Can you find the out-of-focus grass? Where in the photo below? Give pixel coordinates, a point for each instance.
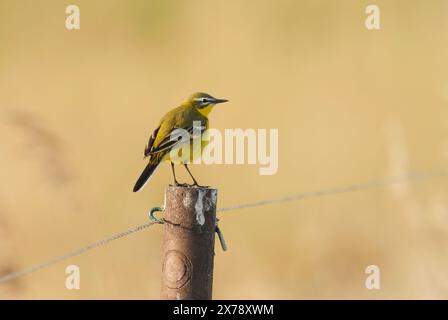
(350, 105)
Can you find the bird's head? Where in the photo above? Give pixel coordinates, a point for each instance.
(203, 102)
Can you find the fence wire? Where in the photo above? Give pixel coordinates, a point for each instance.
(414, 177)
(74, 253)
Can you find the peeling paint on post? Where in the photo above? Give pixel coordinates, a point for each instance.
(199, 207)
(188, 243)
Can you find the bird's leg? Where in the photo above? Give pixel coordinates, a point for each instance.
(174, 175)
(195, 183)
(175, 180)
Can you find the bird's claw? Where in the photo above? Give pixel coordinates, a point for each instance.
(197, 185)
(177, 184)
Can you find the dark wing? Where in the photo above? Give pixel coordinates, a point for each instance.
(176, 137)
(151, 142)
(171, 140)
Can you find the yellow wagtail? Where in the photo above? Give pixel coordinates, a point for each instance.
(161, 144)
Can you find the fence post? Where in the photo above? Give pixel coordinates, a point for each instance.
(188, 243)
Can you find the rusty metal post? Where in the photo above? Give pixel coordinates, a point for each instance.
(188, 243)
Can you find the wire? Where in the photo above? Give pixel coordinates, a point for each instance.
(71, 254)
(415, 177)
(331, 191)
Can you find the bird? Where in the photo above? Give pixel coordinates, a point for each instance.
(196, 107)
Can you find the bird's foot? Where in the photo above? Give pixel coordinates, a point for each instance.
(187, 185)
(177, 184)
(197, 185)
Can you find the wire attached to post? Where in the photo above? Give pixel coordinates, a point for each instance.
(153, 217)
(218, 231)
(408, 178)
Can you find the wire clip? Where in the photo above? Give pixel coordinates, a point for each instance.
(153, 217)
(220, 236)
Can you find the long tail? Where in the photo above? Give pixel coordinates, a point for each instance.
(146, 174)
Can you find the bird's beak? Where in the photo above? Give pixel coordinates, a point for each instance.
(216, 101)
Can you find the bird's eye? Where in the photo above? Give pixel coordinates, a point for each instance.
(204, 100)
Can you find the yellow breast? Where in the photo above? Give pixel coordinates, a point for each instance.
(206, 110)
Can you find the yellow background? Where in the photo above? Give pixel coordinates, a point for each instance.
(351, 105)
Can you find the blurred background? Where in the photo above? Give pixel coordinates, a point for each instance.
(351, 105)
